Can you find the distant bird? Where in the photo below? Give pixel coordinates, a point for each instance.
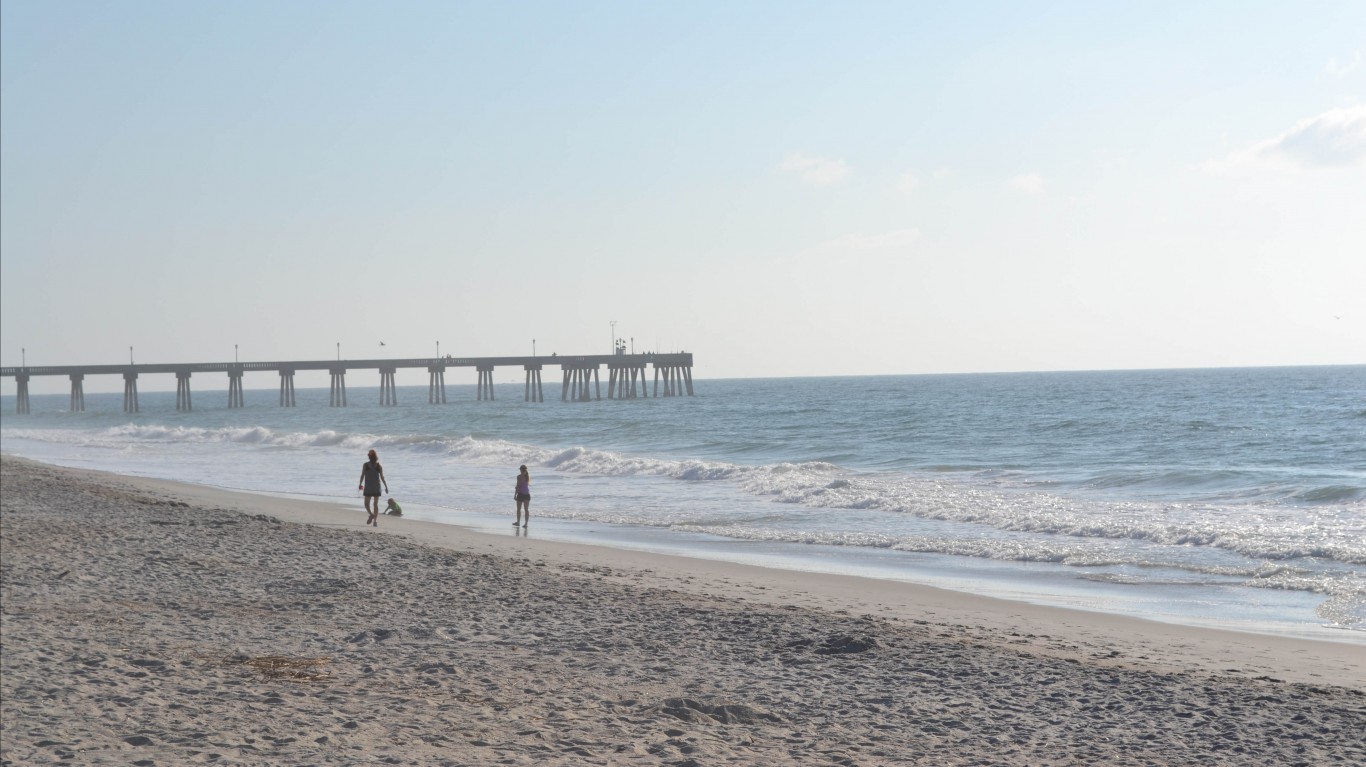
(381, 343)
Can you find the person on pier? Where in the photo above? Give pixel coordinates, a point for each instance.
(522, 494)
(371, 476)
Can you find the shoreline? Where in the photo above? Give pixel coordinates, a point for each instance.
(138, 614)
(1012, 582)
(1211, 647)
(1045, 589)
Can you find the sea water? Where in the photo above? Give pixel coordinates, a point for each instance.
(1228, 497)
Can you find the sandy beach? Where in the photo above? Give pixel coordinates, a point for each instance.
(156, 623)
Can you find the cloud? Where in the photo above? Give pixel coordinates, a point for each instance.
(907, 182)
(1029, 183)
(1334, 69)
(1334, 139)
(900, 238)
(817, 171)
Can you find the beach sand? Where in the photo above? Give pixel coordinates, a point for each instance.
(154, 623)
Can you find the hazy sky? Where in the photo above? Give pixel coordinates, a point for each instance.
(782, 188)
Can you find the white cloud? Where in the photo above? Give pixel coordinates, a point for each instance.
(1029, 183)
(1336, 138)
(817, 171)
(900, 238)
(907, 183)
(1334, 69)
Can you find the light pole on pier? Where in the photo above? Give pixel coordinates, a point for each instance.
(339, 351)
(130, 355)
(633, 344)
(533, 347)
(613, 348)
(23, 356)
(234, 353)
(438, 350)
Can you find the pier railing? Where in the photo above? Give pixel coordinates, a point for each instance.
(579, 373)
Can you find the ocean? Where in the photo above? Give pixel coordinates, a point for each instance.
(1233, 498)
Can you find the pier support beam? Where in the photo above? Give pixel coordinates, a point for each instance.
(286, 388)
(628, 381)
(534, 392)
(581, 382)
(485, 382)
(589, 383)
(338, 393)
(235, 398)
(624, 378)
(636, 372)
(182, 390)
(436, 385)
(78, 392)
(677, 379)
(21, 405)
(388, 392)
(130, 392)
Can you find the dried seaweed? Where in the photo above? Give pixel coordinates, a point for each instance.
(291, 669)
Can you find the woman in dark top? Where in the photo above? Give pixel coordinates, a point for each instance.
(371, 476)
(522, 494)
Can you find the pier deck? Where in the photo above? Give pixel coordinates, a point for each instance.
(579, 373)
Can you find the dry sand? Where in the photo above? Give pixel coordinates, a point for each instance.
(153, 623)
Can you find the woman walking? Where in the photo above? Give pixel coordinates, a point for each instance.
(523, 496)
(371, 476)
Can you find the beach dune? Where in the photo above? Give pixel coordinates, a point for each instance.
(154, 623)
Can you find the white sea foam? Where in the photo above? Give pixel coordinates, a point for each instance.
(1314, 533)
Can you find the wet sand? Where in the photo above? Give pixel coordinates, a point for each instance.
(153, 623)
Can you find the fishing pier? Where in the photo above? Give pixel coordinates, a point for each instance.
(626, 377)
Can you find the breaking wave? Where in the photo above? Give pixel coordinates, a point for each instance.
(1027, 525)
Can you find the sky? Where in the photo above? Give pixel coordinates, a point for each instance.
(781, 188)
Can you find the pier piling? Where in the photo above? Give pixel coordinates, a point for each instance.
(130, 392)
(286, 387)
(388, 392)
(581, 382)
(485, 382)
(534, 392)
(21, 405)
(77, 392)
(436, 385)
(338, 394)
(182, 390)
(235, 398)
